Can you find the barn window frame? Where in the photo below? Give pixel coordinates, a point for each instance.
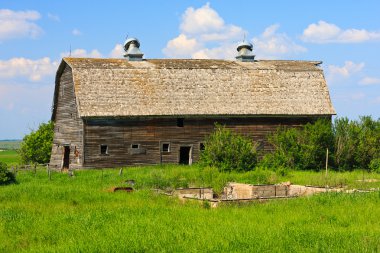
(103, 148)
(202, 146)
(165, 147)
(135, 146)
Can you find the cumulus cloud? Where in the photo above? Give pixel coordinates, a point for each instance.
(82, 53)
(203, 34)
(181, 47)
(324, 32)
(18, 24)
(117, 51)
(271, 44)
(369, 81)
(34, 70)
(202, 20)
(349, 68)
(76, 32)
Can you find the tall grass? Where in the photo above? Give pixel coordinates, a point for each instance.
(79, 214)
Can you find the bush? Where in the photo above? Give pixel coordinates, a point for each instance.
(229, 151)
(303, 148)
(357, 143)
(36, 146)
(6, 177)
(374, 165)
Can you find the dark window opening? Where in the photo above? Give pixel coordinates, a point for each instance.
(103, 149)
(201, 146)
(184, 155)
(165, 147)
(66, 157)
(180, 122)
(135, 146)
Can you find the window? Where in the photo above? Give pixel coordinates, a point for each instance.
(201, 146)
(103, 149)
(180, 122)
(165, 147)
(135, 146)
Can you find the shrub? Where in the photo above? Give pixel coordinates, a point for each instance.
(36, 146)
(229, 151)
(303, 148)
(357, 143)
(6, 177)
(374, 165)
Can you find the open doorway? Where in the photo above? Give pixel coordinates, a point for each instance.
(185, 155)
(66, 157)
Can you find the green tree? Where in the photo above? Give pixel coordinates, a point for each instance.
(227, 151)
(300, 148)
(36, 146)
(357, 143)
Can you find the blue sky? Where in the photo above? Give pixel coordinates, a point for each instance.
(35, 35)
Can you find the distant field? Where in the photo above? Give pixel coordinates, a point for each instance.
(80, 214)
(10, 144)
(10, 157)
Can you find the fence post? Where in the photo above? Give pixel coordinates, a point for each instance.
(121, 172)
(327, 160)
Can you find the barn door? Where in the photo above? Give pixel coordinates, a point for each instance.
(185, 155)
(66, 157)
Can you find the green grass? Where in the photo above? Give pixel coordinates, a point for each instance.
(10, 157)
(79, 214)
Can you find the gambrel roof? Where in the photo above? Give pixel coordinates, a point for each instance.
(189, 87)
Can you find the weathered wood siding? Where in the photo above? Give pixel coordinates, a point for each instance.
(68, 127)
(120, 134)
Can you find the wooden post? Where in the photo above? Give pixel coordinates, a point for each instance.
(121, 172)
(327, 160)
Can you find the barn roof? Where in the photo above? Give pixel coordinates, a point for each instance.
(171, 87)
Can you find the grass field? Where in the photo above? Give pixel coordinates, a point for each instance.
(79, 214)
(10, 144)
(10, 157)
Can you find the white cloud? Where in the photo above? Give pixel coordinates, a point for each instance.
(34, 70)
(53, 17)
(117, 51)
(18, 24)
(271, 44)
(324, 32)
(76, 32)
(369, 81)
(202, 20)
(181, 47)
(203, 34)
(82, 53)
(349, 68)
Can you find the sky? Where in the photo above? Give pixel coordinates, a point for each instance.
(35, 35)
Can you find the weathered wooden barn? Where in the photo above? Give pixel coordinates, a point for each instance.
(119, 112)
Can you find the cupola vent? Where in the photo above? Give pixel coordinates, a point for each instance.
(132, 50)
(245, 52)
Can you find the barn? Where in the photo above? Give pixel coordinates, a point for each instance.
(135, 111)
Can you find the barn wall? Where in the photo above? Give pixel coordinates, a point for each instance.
(119, 135)
(68, 127)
